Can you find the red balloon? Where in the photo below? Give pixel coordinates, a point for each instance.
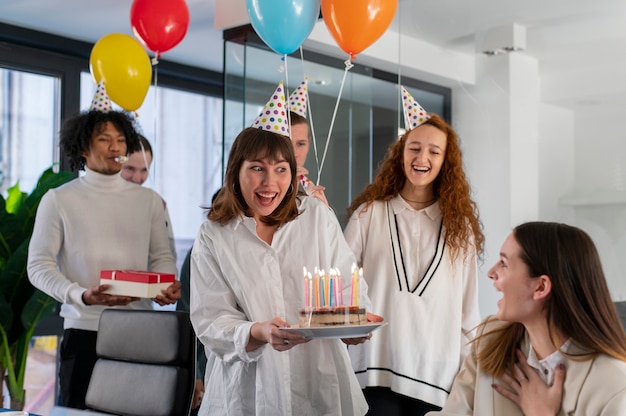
(159, 24)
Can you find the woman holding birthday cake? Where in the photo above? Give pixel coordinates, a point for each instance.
(415, 231)
(247, 286)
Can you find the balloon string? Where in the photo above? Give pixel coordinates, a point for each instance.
(310, 113)
(349, 66)
(286, 92)
(145, 159)
(313, 139)
(155, 61)
(399, 108)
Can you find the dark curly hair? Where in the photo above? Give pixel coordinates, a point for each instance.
(451, 189)
(76, 133)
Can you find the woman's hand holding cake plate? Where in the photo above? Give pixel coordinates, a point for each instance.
(271, 332)
(371, 317)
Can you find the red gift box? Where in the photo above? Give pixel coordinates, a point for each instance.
(136, 283)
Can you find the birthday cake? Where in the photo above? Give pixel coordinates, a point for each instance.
(337, 315)
(323, 300)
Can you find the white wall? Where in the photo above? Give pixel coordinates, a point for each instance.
(529, 160)
(497, 121)
(556, 155)
(598, 200)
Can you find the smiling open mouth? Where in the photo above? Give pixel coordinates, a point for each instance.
(266, 198)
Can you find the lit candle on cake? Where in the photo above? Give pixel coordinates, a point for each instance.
(306, 288)
(317, 288)
(310, 290)
(339, 288)
(334, 286)
(326, 288)
(331, 294)
(354, 294)
(323, 288)
(356, 287)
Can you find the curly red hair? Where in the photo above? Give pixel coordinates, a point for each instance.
(451, 188)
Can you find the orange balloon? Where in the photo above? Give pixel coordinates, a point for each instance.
(356, 24)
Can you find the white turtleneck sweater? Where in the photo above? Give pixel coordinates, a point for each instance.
(93, 223)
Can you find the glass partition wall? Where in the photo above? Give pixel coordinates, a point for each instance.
(367, 116)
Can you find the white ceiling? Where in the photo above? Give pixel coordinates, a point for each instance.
(580, 45)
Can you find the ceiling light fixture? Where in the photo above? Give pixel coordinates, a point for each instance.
(504, 39)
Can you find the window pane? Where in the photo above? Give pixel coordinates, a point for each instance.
(28, 126)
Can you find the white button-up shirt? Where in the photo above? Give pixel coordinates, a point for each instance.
(546, 366)
(238, 279)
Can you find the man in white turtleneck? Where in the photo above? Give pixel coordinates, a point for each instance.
(96, 222)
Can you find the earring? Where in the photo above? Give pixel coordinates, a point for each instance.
(290, 190)
(235, 189)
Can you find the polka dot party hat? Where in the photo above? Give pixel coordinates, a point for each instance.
(298, 98)
(101, 101)
(414, 114)
(273, 117)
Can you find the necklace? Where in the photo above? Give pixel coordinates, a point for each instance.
(417, 202)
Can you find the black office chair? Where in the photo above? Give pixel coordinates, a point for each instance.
(146, 363)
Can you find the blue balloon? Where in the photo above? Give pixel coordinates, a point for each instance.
(283, 24)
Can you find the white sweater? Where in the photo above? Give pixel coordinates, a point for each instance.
(96, 222)
(431, 309)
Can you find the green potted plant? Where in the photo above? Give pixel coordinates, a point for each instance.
(21, 305)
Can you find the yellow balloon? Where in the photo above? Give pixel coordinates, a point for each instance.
(124, 65)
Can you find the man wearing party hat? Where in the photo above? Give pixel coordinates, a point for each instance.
(301, 140)
(95, 222)
(415, 231)
(247, 285)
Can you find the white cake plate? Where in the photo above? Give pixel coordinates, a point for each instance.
(337, 331)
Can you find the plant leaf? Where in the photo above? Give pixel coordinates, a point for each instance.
(47, 181)
(15, 197)
(6, 313)
(38, 306)
(21, 305)
(6, 223)
(17, 223)
(16, 288)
